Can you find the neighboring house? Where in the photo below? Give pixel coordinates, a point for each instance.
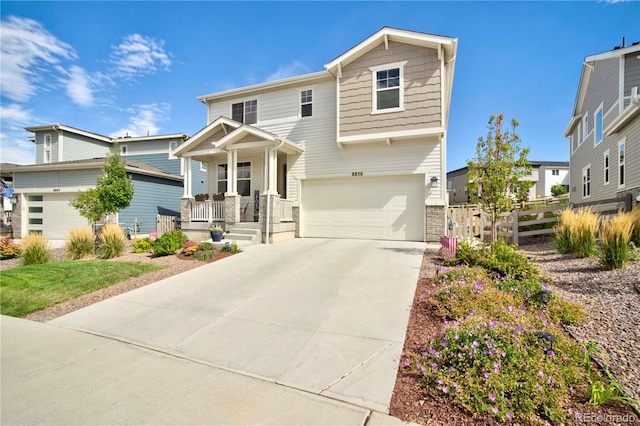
(69, 160)
(604, 130)
(355, 151)
(544, 174)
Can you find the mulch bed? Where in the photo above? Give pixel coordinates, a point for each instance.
(413, 402)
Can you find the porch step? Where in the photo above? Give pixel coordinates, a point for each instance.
(253, 236)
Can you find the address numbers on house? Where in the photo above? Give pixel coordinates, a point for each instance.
(357, 174)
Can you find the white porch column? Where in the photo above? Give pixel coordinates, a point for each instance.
(187, 177)
(273, 168)
(231, 174)
(234, 172)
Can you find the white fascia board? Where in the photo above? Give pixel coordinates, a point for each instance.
(393, 34)
(80, 132)
(151, 138)
(572, 123)
(629, 113)
(242, 132)
(204, 133)
(613, 53)
(585, 76)
(401, 134)
(170, 176)
(52, 166)
(203, 152)
(264, 86)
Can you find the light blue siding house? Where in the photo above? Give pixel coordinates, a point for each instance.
(69, 160)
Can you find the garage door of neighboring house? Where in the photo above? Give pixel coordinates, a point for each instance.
(380, 208)
(51, 215)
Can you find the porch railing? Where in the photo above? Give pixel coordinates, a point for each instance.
(286, 210)
(207, 211)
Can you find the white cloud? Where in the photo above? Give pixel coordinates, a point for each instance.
(79, 86)
(616, 1)
(145, 120)
(139, 55)
(14, 115)
(16, 149)
(290, 70)
(27, 50)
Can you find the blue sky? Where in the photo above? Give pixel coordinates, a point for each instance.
(137, 67)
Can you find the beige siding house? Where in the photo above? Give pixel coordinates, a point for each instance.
(355, 151)
(604, 130)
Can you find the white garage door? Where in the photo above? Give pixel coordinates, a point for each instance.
(52, 215)
(385, 208)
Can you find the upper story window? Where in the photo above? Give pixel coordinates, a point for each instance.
(172, 145)
(555, 172)
(598, 124)
(47, 148)
(245, 112)
(306, 103)
(388, 95)
(123, 150)
(621, 162)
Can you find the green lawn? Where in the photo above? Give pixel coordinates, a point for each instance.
(28, 289)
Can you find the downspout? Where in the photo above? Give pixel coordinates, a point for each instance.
(268, 203)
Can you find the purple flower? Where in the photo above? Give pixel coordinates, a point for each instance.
(474, 344)
(486, 375)
(422, 368)
(452, 369)
(440, 382)
(509, 416)
(539, 388)
(445, 389)
(540, 373)
(406, 363)
(492, 397)
(495, 410)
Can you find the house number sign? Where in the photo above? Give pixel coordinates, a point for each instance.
(356, 173)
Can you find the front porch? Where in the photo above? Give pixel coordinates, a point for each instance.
(246, 169)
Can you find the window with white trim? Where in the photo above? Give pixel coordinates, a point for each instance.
(621, 161)
(555, 172)
(586, 181)
(598, 125)
(245, 112)
(123, 150)
(606, 167)
(244, 178)
(172, 145)
(585, 127)
(388, 95)
(47, 148)
(306, 103)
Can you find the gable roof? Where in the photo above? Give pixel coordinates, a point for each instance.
(220, 123)
(103, 138)
(91, 163)
(585, 77)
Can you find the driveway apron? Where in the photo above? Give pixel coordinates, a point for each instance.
(324, 316)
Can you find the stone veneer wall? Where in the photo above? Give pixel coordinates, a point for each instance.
(436, 216)
(296, 220)
(16, 218)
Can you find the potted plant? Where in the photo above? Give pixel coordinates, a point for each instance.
(219, 196)
(202, 197)
(256, 217)
(216, 233)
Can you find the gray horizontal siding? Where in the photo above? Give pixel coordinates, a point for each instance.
(143, 147)
(631, 72)
(160, 161)
(77, 147)
(56, 179)
(151, 196)
(40, 146)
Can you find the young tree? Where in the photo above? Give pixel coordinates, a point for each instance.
(495, 174)
(112, 193)
(557, 190)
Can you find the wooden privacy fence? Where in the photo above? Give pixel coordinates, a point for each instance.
(166, 223)
(465, 222)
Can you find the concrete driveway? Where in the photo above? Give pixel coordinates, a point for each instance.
(325, 317)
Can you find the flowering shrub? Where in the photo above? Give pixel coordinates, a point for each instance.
(488, 357)
(9, 249)
(190, 251)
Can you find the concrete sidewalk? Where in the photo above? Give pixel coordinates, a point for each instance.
(52, 375)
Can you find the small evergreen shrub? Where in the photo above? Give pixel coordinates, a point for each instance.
(113, 242)
(169, 243)
(9, 249)
(142, 245)
(35, 250)
(205, 254)
(80, 243)
(616, 235)
(206, 246)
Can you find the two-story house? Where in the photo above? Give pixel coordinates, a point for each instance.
(544, 175)
(355, 151)
(69, 160)
(604, 130)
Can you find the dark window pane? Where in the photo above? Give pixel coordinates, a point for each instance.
(35, 221)
(35, 197)
(394, 82)
(222, 186)
(394, 72)
(222, 171)
(251, 118)
(382, 75)
(306, 110)
(237, 112)
(244, 187)
(388, 99)
(35, 209)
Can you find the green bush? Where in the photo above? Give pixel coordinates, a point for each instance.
(169, 243)
(35, 250)
(142, 245)
(205, 254)
(80, 243)
(557, 190)
(113, 242)
(9, 249)
(206, 246)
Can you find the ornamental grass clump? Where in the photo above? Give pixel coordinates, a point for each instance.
(35, 250)
(80, 243)
(635, 232)
(584, 232)
(616, 234)
(113, 242)
(564, 231)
